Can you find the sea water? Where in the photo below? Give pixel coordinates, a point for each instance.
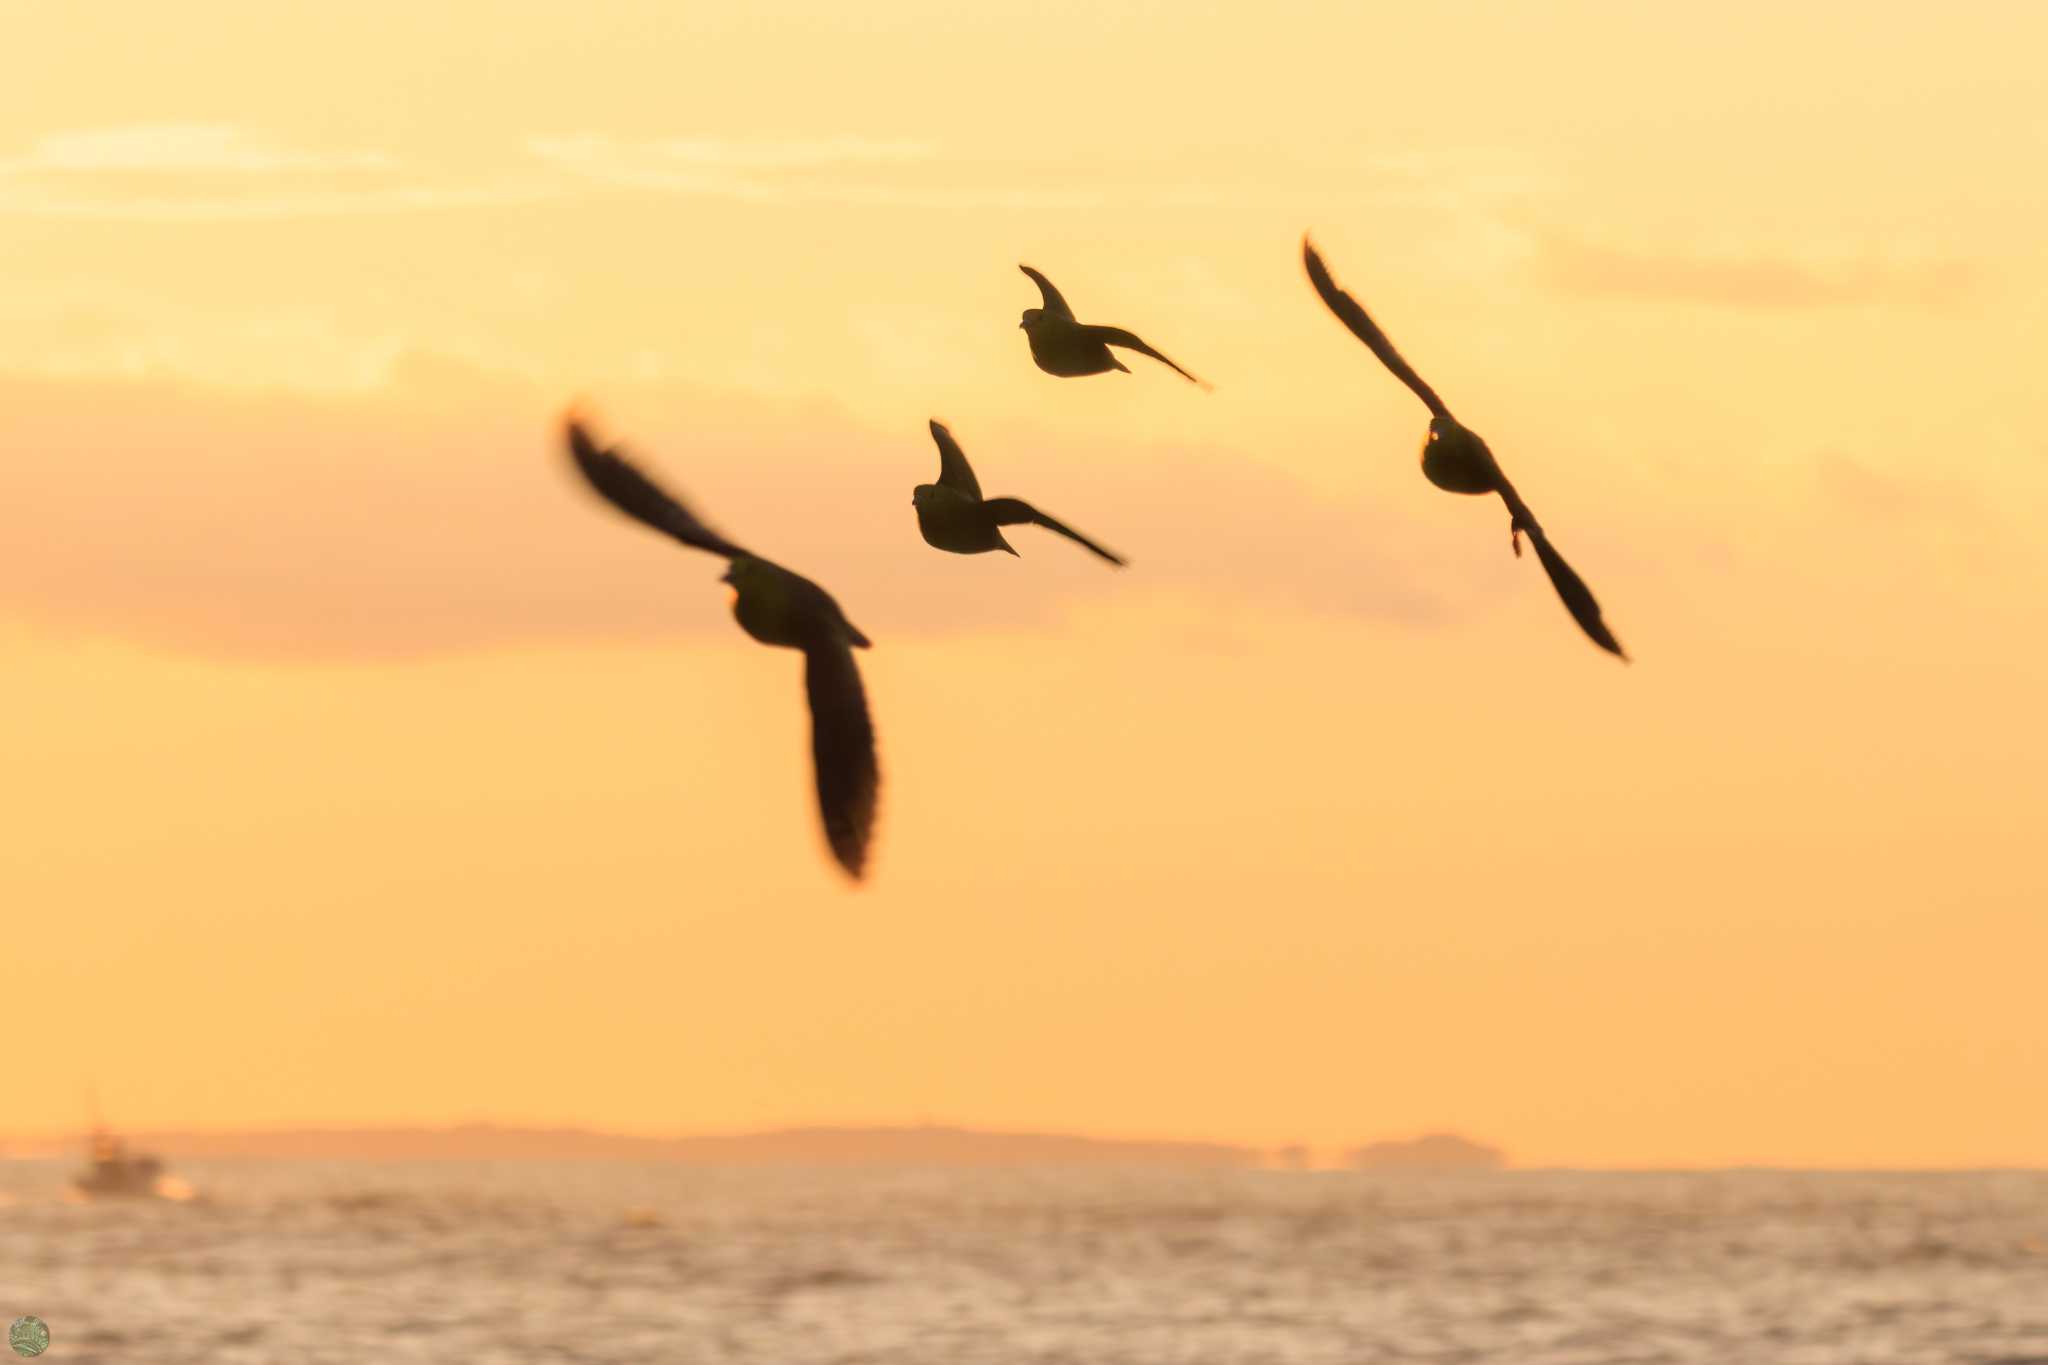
(470, 1264)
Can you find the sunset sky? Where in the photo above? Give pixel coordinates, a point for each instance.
(361, 768)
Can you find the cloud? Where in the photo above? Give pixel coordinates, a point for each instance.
(724, 153)
(203, 172)
(181, 148)
(1460, 175)
(1857, 487)
(203, 207)
(816, 170)
(440, 516)
(1752, 278)
(218, 172)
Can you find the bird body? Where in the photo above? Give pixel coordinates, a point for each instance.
(779, 607)
(1456, 459)
(1063, 346)
(952, 515)
(950, 520)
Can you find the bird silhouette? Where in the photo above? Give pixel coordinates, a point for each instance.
(1068, 348)
(776, 607)
(952, 514)
(1455, 459)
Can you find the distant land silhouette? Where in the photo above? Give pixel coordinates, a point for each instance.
(906, 1145)
(925, 1145)
(1433, 1152)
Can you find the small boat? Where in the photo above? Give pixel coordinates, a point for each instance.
(114, 1172)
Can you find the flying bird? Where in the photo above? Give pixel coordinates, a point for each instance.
(776, 607)
(1455, 459)
(1067, 348)
(954, 516)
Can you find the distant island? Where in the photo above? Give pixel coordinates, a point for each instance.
(905, 1145)
(1433, 1152)
(923, 1145)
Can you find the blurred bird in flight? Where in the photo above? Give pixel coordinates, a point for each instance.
(776, 607)
(1455, 459)
(1067, 348)
(952, 514)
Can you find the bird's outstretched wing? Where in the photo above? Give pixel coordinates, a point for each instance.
(1017, 512)
(1117, 336)
(954, 471)
(1578, 598)
(633, 493)
(1053, 302)
(1366, 330)
(843, 753)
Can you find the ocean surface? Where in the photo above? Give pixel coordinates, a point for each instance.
(472, 1264)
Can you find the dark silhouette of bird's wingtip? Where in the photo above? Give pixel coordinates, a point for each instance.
(937, 426)
(1597, 631)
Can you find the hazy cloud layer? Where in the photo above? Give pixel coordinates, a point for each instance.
(1857, 487)
(839, 170)
(180, 148)
(442, 516)
(195, 172)
(1751, 278)
(198, 172)
(724, 153)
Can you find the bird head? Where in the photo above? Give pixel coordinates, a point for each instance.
(1031, 317)
(922, 494)
(749, 579)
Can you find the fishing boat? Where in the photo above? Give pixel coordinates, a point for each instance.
(112, 1171)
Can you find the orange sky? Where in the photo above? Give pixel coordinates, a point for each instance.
(361, 768)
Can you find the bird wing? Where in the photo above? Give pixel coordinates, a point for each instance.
(1017, 512)
(1578, 598)
(843, 752)
(633, 493)
(954, 471)
(1117, 336)
(1053, 302)
(1366, 330)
